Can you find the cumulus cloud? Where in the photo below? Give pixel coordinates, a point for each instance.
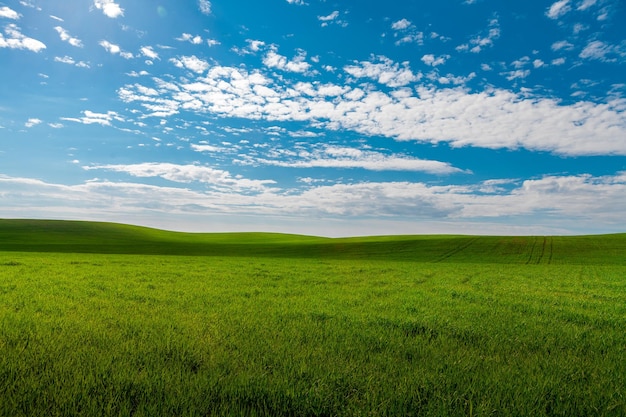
(114, 49)
(430, 59)
(479, 42)
(65, 36)
(493, 118)
(400, 24)
(298, 64)
(109, 8)
(16, 40)
(70, 61)
(384, 71)
(8, 13)
(148, 52)
(187, 37)
(332, 18)
(334, 15)
(33, 122)
(405, 32)
(192, 63)
(558, 9)
(204, 6)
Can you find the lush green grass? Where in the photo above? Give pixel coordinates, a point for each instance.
(89, 237)
(477, 326)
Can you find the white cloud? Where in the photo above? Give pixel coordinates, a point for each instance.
(206, 148)
(405, 32)
(384, 71)
(586, 4)
(110, 47)
(192, 63)
(148, 52)
(70, 61)
(298, 64)
(558, 9)
(431, 60)
(65, 60)
(33, 122)
(65, 36)
(334, 15)
(89, 118)
(565, 203)
(16, 40)
(205, 6)
(479, 42)
(299, 2)
(401, 24)
(332, 18)
(9, 13)
(115, 49)
(601, 51)
(517, 74)
(493, 118)
(109, 8)
(345, 157)
(137, 74)
(196, 40)
(187, 174)
(255, 45)
(557, 46)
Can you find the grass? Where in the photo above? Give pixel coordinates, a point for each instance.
(381, 326)
(108, 238)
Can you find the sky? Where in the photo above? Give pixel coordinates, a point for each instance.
(320, 117)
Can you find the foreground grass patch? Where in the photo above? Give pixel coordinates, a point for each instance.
(172, 335)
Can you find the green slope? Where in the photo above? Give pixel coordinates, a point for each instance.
(95, 237)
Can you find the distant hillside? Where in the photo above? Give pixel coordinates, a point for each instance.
(96, 237)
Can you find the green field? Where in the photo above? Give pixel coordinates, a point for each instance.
(100, 319)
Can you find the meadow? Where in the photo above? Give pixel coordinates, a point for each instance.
(111, 320)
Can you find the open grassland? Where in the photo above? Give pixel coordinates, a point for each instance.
(290, 325)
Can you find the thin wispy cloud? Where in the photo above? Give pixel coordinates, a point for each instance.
(351, 158)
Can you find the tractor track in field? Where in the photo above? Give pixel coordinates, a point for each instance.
(532, 251)
(542, 250)
(455, 250)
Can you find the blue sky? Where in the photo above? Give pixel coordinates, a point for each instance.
(320, 117)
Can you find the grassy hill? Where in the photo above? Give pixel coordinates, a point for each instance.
(112, 238)
(288, 325)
